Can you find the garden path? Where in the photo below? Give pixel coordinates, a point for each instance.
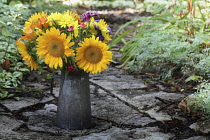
(123, 107)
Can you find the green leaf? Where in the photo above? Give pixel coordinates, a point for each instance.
(128, 23)
(4, 94)
(49, 76)
(24, 69)
(118, 39)
(17, 74)
(193, 78)
(159, 8)
(17, 98)
(10, 95)
(160, 19)
(14, 84)
(202, 15)
(12, 3)
(5, 32)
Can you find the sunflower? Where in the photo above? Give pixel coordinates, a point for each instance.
(93, 56)
(53, 46)
(26, 56)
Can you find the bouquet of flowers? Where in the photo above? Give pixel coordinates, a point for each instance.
(66, 41)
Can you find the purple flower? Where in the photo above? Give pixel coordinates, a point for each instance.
(96, 20)
(110, 30)
(100, 36)
(86, 16)
(96, 27)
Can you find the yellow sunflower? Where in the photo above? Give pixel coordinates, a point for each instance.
(26, 56)
(53, 46)
(93, 56)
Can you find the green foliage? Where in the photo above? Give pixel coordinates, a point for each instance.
(48, 6)
(113, 4)
(12, 67)
(202, 101)
(167, 52)
(174, 40)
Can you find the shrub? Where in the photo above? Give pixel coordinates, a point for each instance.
(174, 40)
(202, 101)
(12, 67)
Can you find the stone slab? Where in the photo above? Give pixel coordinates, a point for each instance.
(202, 127)
(46, 125)
(130, 90)
(1, 109)
(158, 115)
(111, 109)
(13, 105)
(25, 102)
(114, 133)
(124, 82)
(198, 138)
(7, 126)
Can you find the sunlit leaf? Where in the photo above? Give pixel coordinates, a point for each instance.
(5, 32)
(17, 98)
(17, 74)
(12, 3)
(193, 78)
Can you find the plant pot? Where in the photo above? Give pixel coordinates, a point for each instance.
(74, 107)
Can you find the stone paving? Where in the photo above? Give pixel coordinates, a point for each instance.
(121, 110)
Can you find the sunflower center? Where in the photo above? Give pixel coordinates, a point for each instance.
(56, 48)
(93, 55)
